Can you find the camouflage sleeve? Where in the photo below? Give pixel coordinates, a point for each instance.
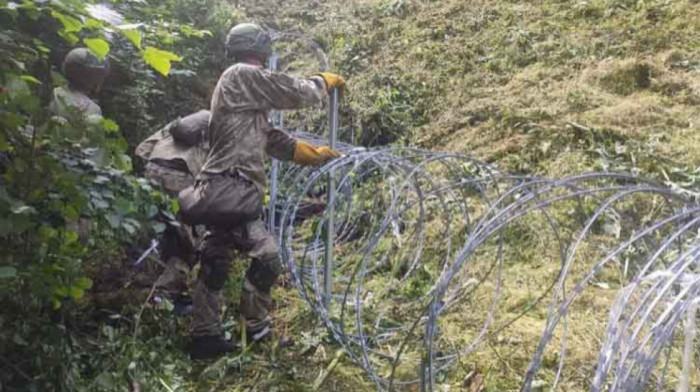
(280, 145)
(267, 90)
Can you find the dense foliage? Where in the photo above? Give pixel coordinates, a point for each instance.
(70, 205)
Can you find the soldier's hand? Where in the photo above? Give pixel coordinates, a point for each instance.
(308, 155)
(333, 80)
(328, 153)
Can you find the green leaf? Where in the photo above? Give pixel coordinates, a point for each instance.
(41, 46)
(110, 126)
(16, 87)
(114, 220)
(133, 222)
(71, 237)
(159, 59)
(98, 46)
(7, 272)
(124, 206)
(70, 37)
(152, 211)
(134, 36)
(84, 283)
(100, 204)
(123, 162)
(70, 24)
(101, 180)
(76, 292)
(159, 227)
(107, 194)
(95, 24)
(70, 213)
(61, 291)
(190, 32)
(30, 79)
(129, 228)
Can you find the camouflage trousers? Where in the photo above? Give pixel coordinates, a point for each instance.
(178, 246)
(178, 254)
(216, 257)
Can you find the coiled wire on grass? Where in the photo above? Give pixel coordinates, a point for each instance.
(424, 246)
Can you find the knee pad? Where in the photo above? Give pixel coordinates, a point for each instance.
(263, 273)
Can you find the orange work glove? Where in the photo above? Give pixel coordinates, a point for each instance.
(333, 80)
(307, 155)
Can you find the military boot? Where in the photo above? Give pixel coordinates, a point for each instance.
(209, 347)
(255, 312)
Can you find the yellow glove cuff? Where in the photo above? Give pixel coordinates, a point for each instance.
(308, 155)
(332, 80)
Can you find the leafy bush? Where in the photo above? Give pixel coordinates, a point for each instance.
(69, 204)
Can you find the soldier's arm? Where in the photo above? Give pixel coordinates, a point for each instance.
(271, 90)
(285, 148)
(280, 145)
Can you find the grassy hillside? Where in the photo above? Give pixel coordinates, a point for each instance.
(504, 80)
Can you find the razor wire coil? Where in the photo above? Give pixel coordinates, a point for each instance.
(419, 234)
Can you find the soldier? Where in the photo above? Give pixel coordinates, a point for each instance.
(85, 74)
(233, 178)
(175, 155)
(71, 104)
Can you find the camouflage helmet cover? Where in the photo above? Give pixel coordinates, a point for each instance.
(82, 68)
(248, 37)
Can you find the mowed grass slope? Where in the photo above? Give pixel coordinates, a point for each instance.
(502, 79)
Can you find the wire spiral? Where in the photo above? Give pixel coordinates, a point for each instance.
(424, 241)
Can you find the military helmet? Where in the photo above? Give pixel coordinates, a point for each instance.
(248, 37)
(83, 69)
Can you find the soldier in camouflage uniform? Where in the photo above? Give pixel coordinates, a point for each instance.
(85, 74)
(72, 104)
(239, 137)
(175, 155)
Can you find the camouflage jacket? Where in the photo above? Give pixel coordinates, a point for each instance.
(239, 136)
(69, 103)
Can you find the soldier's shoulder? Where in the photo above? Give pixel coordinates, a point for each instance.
(243, 74)
(251, 69)
(237, 70)
(65, 100)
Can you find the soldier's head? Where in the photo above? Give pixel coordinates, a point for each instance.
(248, 42)
(84, 71)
